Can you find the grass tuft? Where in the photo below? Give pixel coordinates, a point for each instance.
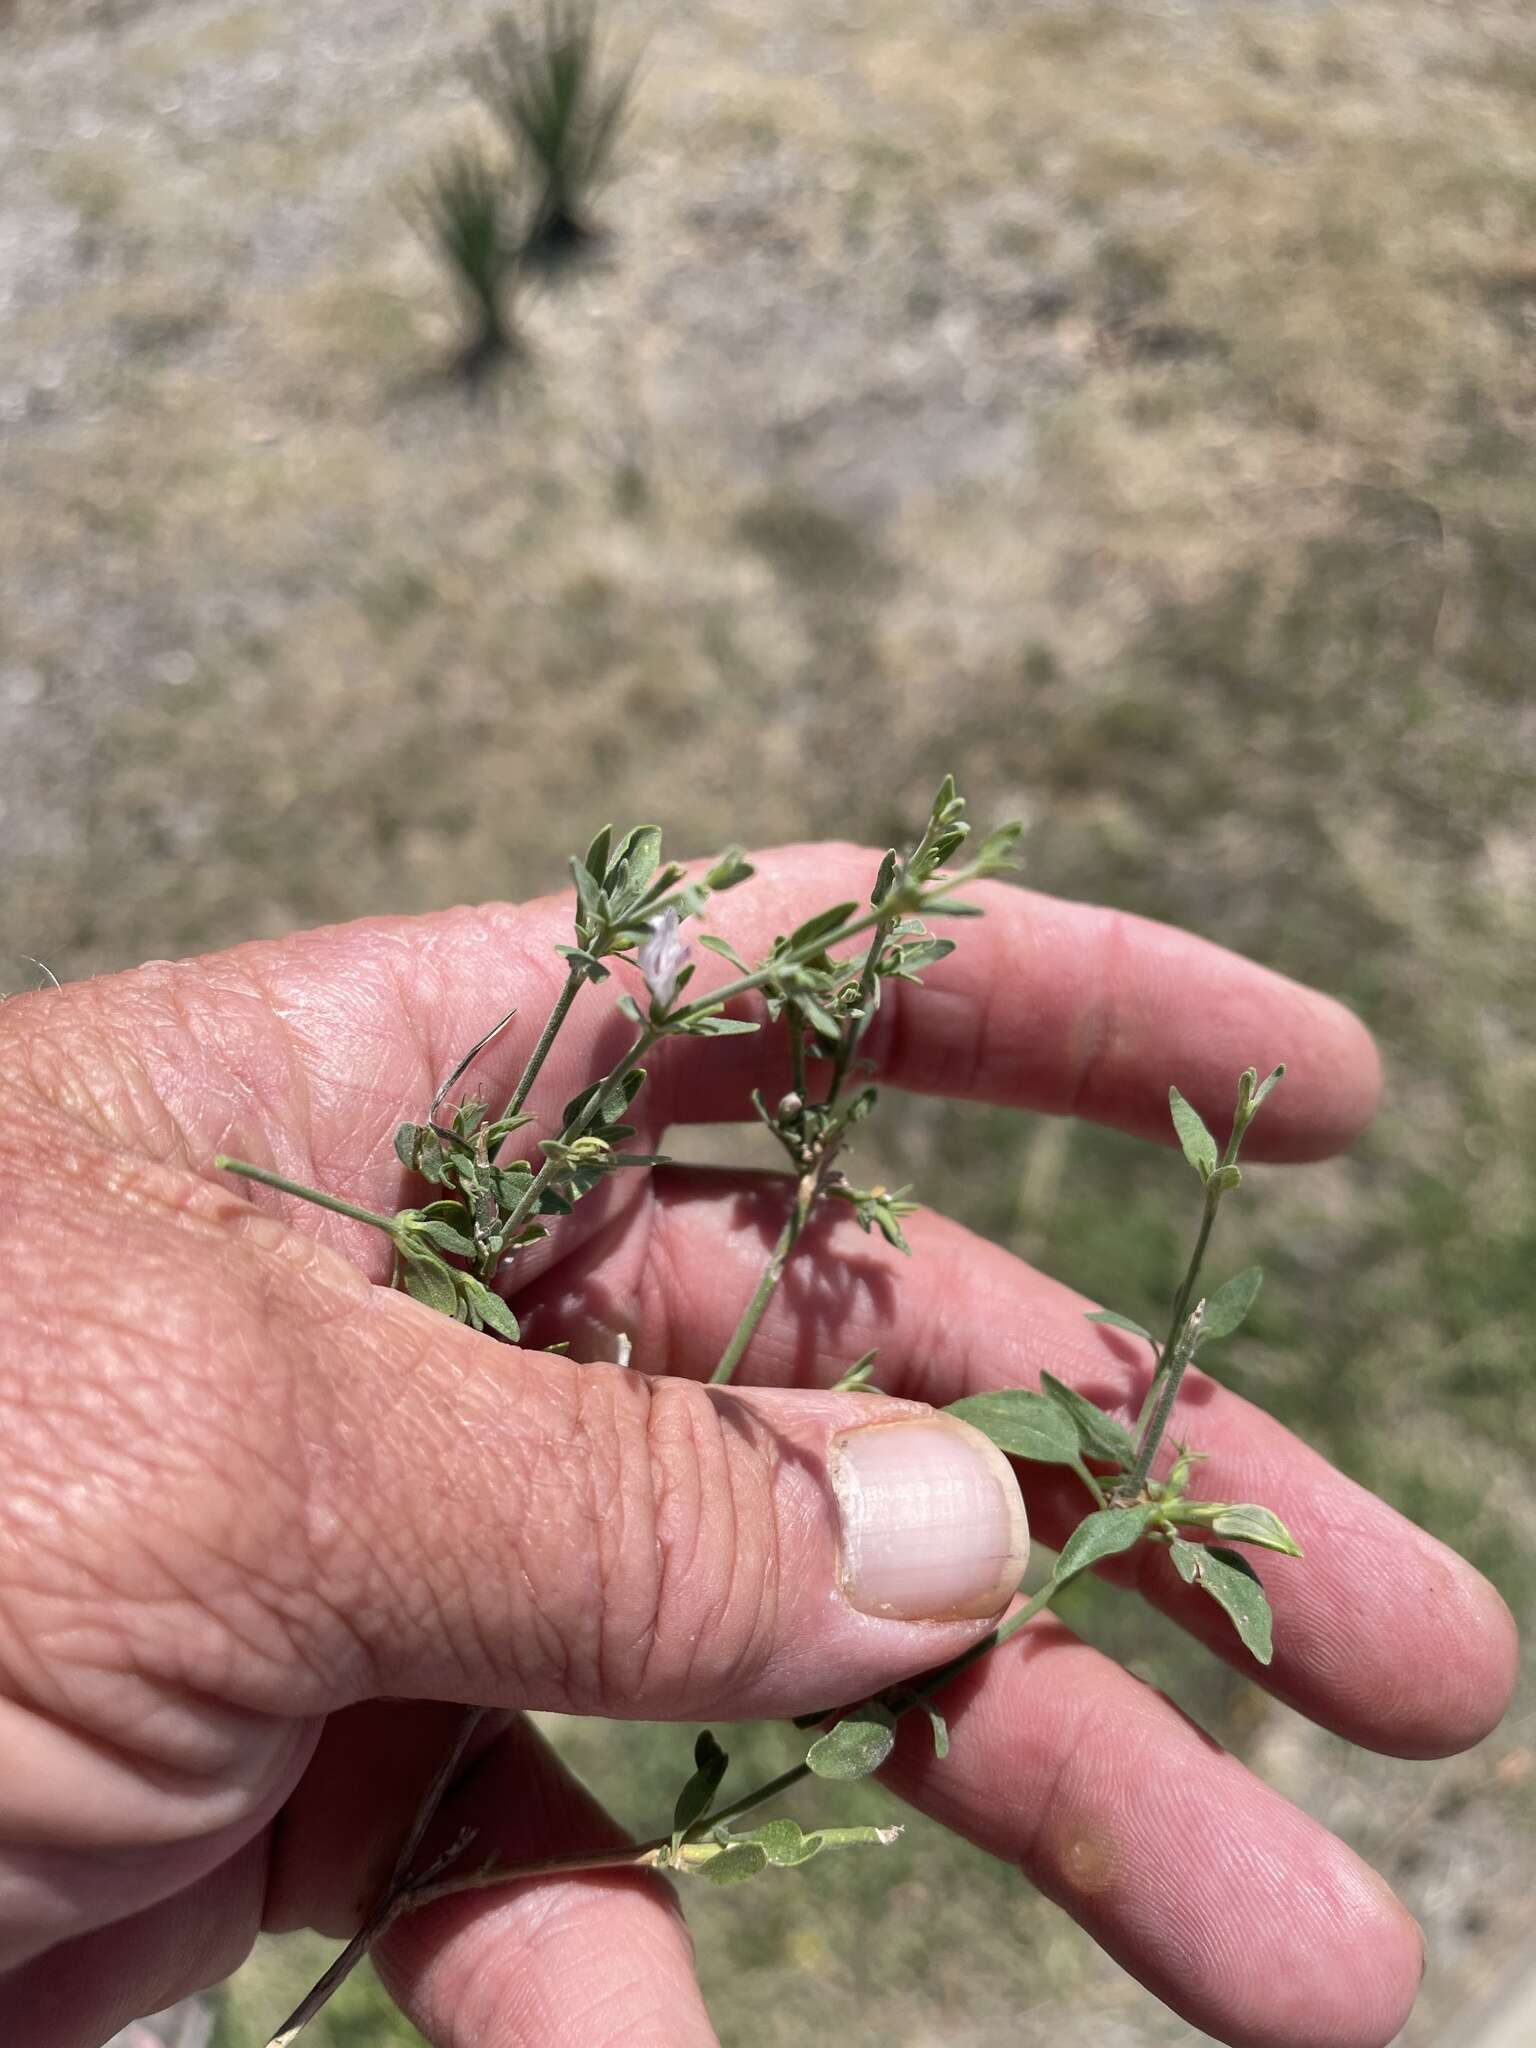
(562, 108)
(466, 217)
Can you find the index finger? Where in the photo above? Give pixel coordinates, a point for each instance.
(1068, 1008)
(305, 1050)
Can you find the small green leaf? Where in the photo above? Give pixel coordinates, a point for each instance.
(710, 1764)
(1023, 1424)
(1098, 1434)
(589, 964)
(510, 1183)
(589, 898)
(784, 1842)
(805, 937)
(1229, 1305)
(637, 859)
(729, 869)
(951, 906)
(1199, 1146)
(856, 1379)
(1246, 1523)
(1266, 1087)
(406, 1136)
(721, 1027)
(445, 1237)
(888, 1227)
(490, 1307)
(1099, 1536)
(853, 1838)
(1119, 1322)
(713, 943)
(1225, 1179)
(736, 1864)
(628, 1007)
(596, 862)
(431, 1162)
(940, 1727)
(1235, 1586)
(429, 1281)
(619, 1095)
(997, 849)
(469, 1116)
(926, 953)
(859, 1744)
(884, 879)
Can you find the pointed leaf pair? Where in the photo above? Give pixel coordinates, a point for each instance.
(1099, 1435)
(429, 1281)
(710, 1764)
(1243, 1522)
(487, 1309)
(1054, 1427)
(1199, 1146)
(785, 1843)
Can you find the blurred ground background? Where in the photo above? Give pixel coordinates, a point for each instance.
(1130, 407)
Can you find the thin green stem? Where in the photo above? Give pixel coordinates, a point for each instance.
(919, 1690)
(575, 1128)
(1181, 1305)
(797, 1063)
(547, 1037)
(321, 1200)
(1158, 1404)
(858, 1024)
(643, 1855)
(744, 984)
(1173, 1379)
(1090, 1482)
(813, 1179)
(752, 1314)
(758, 1796)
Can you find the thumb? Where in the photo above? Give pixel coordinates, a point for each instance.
(524, 1531)
(372, 1499)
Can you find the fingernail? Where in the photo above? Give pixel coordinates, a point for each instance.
(933, 1526)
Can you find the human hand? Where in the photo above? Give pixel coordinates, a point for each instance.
(265, 1521)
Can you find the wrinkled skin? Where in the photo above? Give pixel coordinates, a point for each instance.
(263, 1520)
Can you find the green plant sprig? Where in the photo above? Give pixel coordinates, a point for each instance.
(629, 905)
(1058, 1426)
(830, 1004)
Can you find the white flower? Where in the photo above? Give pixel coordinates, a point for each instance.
(662, 959)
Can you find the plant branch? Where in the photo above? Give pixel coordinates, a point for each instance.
(752, 1314)
(284, 1185)
(576, 1127)
(557, 1016)
(396, 1894)
(1158, 1404)
(813, 1180)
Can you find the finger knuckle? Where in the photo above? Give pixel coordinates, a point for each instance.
(686, 1546)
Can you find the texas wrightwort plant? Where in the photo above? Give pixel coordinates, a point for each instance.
(821, 985)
